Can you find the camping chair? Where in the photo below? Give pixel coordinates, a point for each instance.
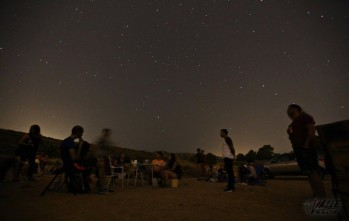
(335, 140)
(114, 172)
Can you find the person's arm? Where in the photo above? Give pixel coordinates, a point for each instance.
(22, 140)
(230, 145)
(78, 154)
(310, 134)
(74, 157)
(174, 166)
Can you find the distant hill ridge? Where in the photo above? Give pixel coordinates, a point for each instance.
(9, 141)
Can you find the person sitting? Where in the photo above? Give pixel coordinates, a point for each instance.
(121, 161)
(70, 157)
(252, 175)
(243, 171)
(172, 170)
(158, 165)
(222, 174)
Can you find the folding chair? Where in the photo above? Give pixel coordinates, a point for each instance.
(114, 173)
(138, 173)
(335, 139)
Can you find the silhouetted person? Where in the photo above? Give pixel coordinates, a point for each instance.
(28, 146)
(122, 159)
(104, 149)
(228, 153)
(301, 133)
(172, 169)
(200, 160)
(243, 171)
(70, 155)
(252, 174)
(158, 165)
(88, 161)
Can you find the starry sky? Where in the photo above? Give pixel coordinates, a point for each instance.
(168, 75)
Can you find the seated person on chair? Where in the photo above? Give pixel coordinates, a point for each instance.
(252, 175)
(172, 170)
(158, 165)
(69, 155)
(121, 161)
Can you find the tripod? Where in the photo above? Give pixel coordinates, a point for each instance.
(58, 172)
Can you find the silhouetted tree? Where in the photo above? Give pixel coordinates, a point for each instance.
(265, 153)
(240, 157)
(211, 159)
(251, 155)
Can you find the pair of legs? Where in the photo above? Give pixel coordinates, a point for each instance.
(164, 174)
(101, 172)
(167, 174)
(29, 155)
(228, 164)
(202, 170)
(307, 160)
(316, 184)
(242, 174)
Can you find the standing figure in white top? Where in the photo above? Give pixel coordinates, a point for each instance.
(228, 153)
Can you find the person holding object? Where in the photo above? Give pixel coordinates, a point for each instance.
(228, 153)
(301, 134)
(69, 155)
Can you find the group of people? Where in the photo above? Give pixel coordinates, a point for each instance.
(250, 173)
(26, 151)
(301, 133)
(166, 170)
(76, 158)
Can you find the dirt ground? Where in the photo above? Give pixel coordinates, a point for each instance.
(280, 199)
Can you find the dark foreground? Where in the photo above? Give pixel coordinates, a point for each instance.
(280, 199)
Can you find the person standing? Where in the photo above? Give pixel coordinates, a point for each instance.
(29, 145)
(198, 162)
(104, 150)
(228, 153)
(301, 134)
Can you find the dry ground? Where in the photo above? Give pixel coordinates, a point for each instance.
(280, 199)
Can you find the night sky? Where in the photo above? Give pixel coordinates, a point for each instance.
(168, 75)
